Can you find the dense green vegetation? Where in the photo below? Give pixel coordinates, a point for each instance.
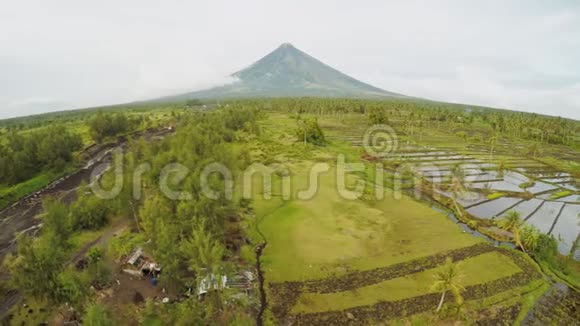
(325, 258)
(105, 125)
(25, 155)
(415, 117)
(39, 267)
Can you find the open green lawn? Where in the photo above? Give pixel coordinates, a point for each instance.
(328, 235)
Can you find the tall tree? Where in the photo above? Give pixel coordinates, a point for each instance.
(457, 185)
(449, 280)
(512, 222)
(203, 251)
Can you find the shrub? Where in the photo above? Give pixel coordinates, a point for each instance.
(310, 132)
(89, 213)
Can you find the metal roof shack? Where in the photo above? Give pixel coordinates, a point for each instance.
(138, 264)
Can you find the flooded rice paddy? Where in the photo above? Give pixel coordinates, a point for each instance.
(533, 189)
(523, 178)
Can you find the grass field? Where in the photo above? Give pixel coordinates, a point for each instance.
(497, 266)
(328, 237)
(9, 194)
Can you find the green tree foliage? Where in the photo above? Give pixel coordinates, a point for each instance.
(89, 212)
(167, 251)
(377, 116)
(105, 125)
(546, 251)
(512, 222)
(310, 132)
(23, 155)
(56, 226)
(72, 288)
(203, 251)
(154, 211)
(97, 315)
(96, 269)
(193, 103)
(36, 268)
(457, 187)
(408, 115)
(449, 280)
(530, 237)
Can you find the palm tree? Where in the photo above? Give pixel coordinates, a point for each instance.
(501, 168)
(533, 150)
(492, 143)
(457, 185)
(512, 222)
(449, 279)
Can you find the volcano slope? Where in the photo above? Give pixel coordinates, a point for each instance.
(329, 260)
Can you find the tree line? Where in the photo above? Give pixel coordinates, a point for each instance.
(411, 114)
(104, 125)
(23, 155)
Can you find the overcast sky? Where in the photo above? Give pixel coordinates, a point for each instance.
(64, 54)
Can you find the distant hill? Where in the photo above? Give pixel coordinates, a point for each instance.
(288, 72)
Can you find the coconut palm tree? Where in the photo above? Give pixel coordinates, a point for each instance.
(449, 280)
(457, 185)
(501, 168)
(533, 150)
(512, 222)
(492, 141)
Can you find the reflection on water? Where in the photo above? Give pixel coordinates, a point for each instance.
(544, 218)
(567, 227)
(493, 208)
(526, 208)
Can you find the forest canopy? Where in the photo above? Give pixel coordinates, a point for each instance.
(26, 154)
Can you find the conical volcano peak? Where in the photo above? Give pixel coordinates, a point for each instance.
(286, 45)
(290, 72)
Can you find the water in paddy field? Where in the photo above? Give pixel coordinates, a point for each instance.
(570, 199)
(493, 208)
(569, 186)
(544, 218)
(567, 228)
(558, 180)
(497, 185)
(526, 208)
(540, 187)
(557, 217)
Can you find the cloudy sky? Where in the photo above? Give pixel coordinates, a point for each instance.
(64, 54)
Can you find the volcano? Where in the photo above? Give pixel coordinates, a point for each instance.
(288, 72)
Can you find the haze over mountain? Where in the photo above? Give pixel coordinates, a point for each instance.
(287, 71)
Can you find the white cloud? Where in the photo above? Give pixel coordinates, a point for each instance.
(514, 54)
